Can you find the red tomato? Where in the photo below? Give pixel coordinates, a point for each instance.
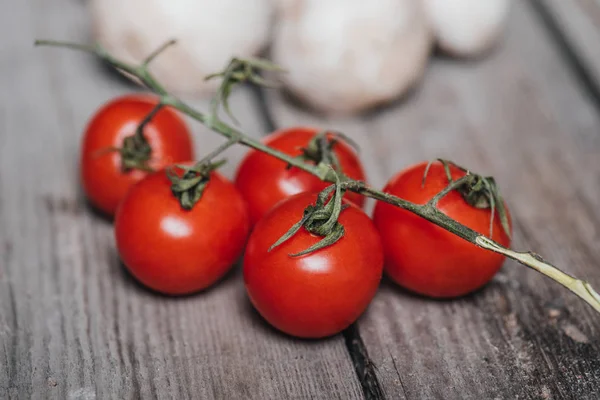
(264, 180)
(175, 251)
(425, 258)
(104, 182)
(318, 294)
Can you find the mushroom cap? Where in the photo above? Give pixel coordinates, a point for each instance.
(345, 56)
(467, 28)
(284, 5)
(208, 33)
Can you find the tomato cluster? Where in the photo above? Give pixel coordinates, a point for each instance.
(180, 250)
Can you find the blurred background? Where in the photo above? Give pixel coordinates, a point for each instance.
(342, 56)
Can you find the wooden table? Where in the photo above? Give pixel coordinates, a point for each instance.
(73, 325)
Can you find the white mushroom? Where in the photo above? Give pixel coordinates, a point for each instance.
(208, 34)
(283, 5)
(344, 56)
(467, 28)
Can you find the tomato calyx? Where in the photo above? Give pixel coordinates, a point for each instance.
(238, 71)
(319, 150)
(478, 191)
(189, 187)
(136, 151)
(320, 219)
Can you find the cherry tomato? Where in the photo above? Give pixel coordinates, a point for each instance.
(175, 251)
(264, 180)
(104, 181)
(318, 294)
(425, 258)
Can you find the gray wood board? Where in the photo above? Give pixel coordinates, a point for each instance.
(73, 324)
(576, 26)
(521, 116)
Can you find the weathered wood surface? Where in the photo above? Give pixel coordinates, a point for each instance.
(577, 29)
(521, 116)
(74, 325)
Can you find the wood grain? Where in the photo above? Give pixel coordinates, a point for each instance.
(576, 26)
(521, 116)
(73, 324)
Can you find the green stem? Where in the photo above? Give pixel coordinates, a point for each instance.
(147, 119)
(231, 133)
(451, 186)
(156, 52)
(427, 211)
(210, 156)
(141, 72)
(580, 288)
(68, 45)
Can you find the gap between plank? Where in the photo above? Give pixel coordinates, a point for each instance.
(573, 61)
(363, 365)
(263, 109)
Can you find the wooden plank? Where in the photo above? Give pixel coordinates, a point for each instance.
(578, 24)
(520, 116)
(72, 323)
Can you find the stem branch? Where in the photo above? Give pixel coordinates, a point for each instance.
(580, 288)
(210, 156)
(156, 52)
(140, 129)
(453, 185)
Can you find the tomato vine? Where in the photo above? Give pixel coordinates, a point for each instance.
(240, 71)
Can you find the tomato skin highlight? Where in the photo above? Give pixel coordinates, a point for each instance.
(425, 258)
(318, 294)
(264, 180)
(175, 251)
(103, 181)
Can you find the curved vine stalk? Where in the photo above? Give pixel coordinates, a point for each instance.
(428, 211)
